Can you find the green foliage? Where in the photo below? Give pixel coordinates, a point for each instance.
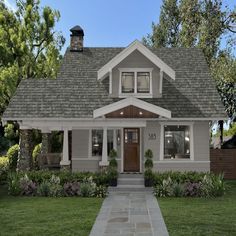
(35, 153)
(148, 174)
(148, 162)
(12, 154)
(4, 167)
(11, 133)
(113, 162)
(56, 141)
(203, 185)
(44, 189)
(4, 144)
(101, 191)
(87, 188)
(201, 23)
(14, 184)
(29, 45)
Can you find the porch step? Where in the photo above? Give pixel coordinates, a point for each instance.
(129, 188)
(131, 181)
(130, 175)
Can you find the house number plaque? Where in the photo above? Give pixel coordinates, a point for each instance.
(151, 136)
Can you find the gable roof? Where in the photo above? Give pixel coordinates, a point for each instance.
(136, 45)
(132, 101)
(76, 93)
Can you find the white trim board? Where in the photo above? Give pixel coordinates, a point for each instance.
(132, 101)
(136, 45)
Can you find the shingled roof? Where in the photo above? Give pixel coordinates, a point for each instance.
(76, 92)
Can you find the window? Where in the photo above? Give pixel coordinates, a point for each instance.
(176, 142)
(135, 81)
(127, 80)
(97, 139)
(143, 82)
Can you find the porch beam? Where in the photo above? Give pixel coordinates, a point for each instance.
(115, 139)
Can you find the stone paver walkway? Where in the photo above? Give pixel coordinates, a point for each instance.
(129, 214)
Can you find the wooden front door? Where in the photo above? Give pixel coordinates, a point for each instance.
(131, 150)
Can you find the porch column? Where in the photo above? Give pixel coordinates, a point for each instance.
(65, 154)
(115, 139)
(25, 152)
(45, 142)
(104, 161)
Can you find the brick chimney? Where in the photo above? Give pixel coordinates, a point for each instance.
(76, 39)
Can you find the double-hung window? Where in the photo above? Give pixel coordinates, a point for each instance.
(135, 81)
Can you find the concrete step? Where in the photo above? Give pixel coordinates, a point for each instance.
(131, 175)
(129, 188)
(130, 181)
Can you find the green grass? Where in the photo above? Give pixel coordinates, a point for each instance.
(29, 216)
(196, 216)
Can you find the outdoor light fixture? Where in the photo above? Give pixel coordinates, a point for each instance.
(140, 113)
(121, 113)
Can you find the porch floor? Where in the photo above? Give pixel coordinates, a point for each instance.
(129, 213)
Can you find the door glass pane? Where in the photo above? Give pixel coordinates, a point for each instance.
(127, 82)
(143, 82)
(131, 136)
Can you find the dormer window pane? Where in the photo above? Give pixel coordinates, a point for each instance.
(143, 82)
(127, 80)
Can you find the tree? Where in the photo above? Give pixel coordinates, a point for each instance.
(29, 45)
(201, 23)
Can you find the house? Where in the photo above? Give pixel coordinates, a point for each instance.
(129, 99)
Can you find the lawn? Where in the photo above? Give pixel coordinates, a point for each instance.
(47, 216)
(195, 216)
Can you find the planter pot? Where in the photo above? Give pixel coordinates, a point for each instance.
(148, 182)
(113, 182)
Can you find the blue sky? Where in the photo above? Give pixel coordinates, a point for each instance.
(108, 22)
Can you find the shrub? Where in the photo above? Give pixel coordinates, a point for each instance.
(27, 186)
(164, 189)
(4, 167)
(44, 189)
(148, 162)
(87, 188)
(36, 151)
(12, 154)
(193, 189)
(71, 189)
(177, 190)
(100, 191)
(14, 184)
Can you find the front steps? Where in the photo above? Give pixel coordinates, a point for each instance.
(130, 182)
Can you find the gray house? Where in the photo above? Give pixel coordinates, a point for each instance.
(128, 99)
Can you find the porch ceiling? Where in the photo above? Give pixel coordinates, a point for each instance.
(131, 112)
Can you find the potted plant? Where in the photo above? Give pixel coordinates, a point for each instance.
(112, 169)
(148, 175)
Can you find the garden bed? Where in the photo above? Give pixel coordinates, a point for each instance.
(201, 216)
(47, 216)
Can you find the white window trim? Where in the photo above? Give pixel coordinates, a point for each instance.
(90, 153)
(136, 94)
(190, 124)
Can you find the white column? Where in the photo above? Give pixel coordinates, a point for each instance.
(114, 139)
(104, 161)
(65, 154)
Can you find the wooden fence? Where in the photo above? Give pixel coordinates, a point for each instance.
(224, 160)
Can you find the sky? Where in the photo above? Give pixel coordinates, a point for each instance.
(107, 23)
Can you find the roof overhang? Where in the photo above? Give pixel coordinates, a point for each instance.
(132, 101)
(136, 45)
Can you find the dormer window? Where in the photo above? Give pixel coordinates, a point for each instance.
(135, 81)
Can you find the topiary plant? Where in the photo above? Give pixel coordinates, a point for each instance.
(148, 166)
(12, 154)
(112, 170)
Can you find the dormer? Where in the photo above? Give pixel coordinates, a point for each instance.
(135, 72)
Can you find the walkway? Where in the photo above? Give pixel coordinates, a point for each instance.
(129, 214)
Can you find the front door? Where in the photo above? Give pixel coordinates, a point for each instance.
(131, 150)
